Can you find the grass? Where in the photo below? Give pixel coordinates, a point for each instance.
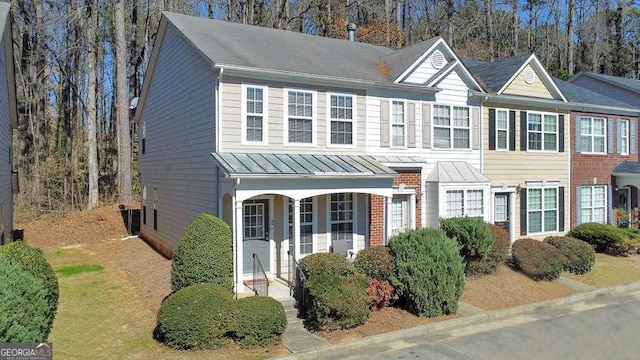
(79, 269)
(610, 270)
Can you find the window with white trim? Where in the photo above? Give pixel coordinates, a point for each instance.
(500, 208)
(623, 137)
(398, 124)
(255, 113)
(254, 221)
(397, 214)
(300, 116)
(451, 127)
(464, 203)
(342, 220)
(542, 131)
(542, 209)
(502, 129)
(593, 204)
(341, 119)
(593, 135)
(306, 226)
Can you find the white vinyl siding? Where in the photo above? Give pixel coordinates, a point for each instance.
(502, 129)
(593, 204)
(542, 131)
(542, 210)
(451, 127)
(398, 124)
(254, 114)
(593, 135)
(300, 117)
(341, 119)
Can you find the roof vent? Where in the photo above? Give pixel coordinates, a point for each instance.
(529, 75)
(351, 32)
(437, 59)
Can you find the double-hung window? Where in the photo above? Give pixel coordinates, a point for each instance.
(398, 124)
(502, 129)
(623, 136)
(341, 110)
(342, 218)
(306, 226)
(300, 116)
(542, 131)
(464, 203)
(451, 127)
(542, 209)
(593, 134)
(254, 113)
(593, 203)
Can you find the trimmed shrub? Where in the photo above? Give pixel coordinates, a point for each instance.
(24, 310)
(472, 234)
(429, 278)
(604, 238)
(579, 256)
(326, 264)
(376, 262)
(536, 259)
(196, 317)
(497, 255)
(204, 255)
(338, 302)
(260, 321)
(32, 261)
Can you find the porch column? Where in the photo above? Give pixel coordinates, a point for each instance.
(387, 219)
(296, 228)
(238, 230)
(512, 216)
(412, 212)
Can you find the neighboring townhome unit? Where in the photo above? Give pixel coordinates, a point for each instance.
(525, 147)
(621, 89)
(604, 171)
(301, 143)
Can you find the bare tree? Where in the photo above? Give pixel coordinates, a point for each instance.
(92, 156)
(124, 137)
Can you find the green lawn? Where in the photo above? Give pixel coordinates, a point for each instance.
(610, 270)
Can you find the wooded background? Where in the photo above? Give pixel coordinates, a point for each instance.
(80, 62)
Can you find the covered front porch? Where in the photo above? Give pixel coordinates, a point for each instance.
(624, 207)
(282, 207)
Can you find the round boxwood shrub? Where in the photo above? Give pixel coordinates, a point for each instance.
(337, 302)
(472, 234)
(24, 309)
(326, 264)
(429, 272)
(376, 262)
(536, 259)
(604, 238)
(32, 261)
(497, 254)
(579, 256)
(260, 321)
(196, 317)
(204, 255)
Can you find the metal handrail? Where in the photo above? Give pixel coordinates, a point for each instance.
(297, 283)
(260, 280)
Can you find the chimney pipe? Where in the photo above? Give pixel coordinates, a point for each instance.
(351, 32)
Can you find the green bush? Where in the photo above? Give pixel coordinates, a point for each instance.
(497, 254)
(196, 317)
(472, 234)
(32, 261)
(604, 238)
(337, 302)
(24, 309)
(429, 272)
(260, 321)
(536, 259)
(579, 256)
(204, 255)
(326, 264)
(376, 262)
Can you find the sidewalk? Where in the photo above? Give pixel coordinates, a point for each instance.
(305, 345)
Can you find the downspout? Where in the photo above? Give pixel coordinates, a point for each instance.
(218, 100)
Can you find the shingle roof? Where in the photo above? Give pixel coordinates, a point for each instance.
(227, 43)
(626, 168)
(456, 172)
(631, 84)
(579, 94)
(496, 74)
(240, 164)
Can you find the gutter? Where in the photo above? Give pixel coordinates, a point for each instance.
(304, 176)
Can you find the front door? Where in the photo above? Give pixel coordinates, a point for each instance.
(256, 234)
(501, 210)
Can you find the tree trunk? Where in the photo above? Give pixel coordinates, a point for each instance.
(489, 9)
(450, 22)
(571, 4)
(516, 28)
(92, 158)
(122, 107)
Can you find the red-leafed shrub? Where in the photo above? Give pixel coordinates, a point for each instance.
(381, 294)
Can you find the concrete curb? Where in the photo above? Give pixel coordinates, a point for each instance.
(441, 326)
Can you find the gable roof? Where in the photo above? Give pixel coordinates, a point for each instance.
(579, 94)
(629, 84)
(399, 61)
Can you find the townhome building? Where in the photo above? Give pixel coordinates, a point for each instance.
(622, 89)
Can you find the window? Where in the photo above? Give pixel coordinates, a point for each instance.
(299, 121)
(542, 209)
(502, 129)
(306, 226)
(592, 204)
(397, 214)
(592, 135)
(451, 127)
(342, 119)
(500, 211)
(254, 221)
(464, 203)
(623, 136)
(144, 137)
(542, 131)
(342, 218)
(255, 114)
(397, 124)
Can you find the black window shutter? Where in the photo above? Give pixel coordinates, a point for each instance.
(144, 215)
(561, 208)
(512, 130)
(561, 133)
(155, 219)
(523, 211)
(144, 147)
(492, 129)
(523, 131)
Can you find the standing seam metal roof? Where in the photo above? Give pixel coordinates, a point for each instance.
(456, 172)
